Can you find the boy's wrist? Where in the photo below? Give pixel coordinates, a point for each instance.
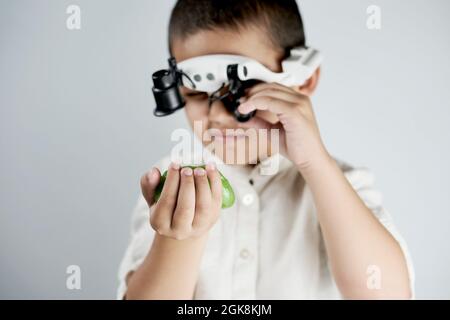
(317, 166)
(193, 241)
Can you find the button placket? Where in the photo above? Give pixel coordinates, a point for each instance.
(245, 254)
(245, 276)
(247, 200)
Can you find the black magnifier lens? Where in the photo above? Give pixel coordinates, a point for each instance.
(167, 95)
(243, 117)
(234, 101)
(231, 103)
(163, 79)
(230, 94)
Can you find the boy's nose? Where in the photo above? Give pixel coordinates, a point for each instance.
(220, 115)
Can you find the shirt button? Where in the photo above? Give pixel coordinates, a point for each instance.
(251, 181)
(244, 254)
(248, 199)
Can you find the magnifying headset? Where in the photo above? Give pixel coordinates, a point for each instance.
(226, 77)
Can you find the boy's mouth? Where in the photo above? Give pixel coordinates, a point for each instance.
(227, 134)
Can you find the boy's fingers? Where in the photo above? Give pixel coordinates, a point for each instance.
(215, 183)
(277, 94)
(149, 181)
(185, 208)
(263, 119)
(277, 106)
(168, 199)
(267, 85)
(202, 198)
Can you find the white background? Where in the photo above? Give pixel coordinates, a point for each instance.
(77, 130)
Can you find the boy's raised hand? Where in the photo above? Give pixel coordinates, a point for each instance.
(300, 139)
(188, 206)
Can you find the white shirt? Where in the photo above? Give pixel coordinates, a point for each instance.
(269, 244)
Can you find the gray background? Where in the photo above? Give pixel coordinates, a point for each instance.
(77, 131)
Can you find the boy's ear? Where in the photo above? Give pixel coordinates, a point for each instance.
(310, 85)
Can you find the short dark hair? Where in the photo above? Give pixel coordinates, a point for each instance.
(280, 18)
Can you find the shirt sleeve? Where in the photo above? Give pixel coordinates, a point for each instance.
(141, 237)
(362, 181)
(140, 241)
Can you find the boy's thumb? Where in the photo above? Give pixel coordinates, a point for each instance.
(149, 182)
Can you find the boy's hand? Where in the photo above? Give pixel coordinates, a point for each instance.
(299, 134)
(188, 206)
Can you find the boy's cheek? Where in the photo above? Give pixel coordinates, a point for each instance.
(195, 113)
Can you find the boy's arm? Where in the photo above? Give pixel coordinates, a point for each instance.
(188, 207)
(169, 270)
(354, 238)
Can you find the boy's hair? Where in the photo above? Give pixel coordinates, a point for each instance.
(280, 19)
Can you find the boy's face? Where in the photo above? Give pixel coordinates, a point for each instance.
(247, 42)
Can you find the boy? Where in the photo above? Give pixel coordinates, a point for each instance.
(315, 229)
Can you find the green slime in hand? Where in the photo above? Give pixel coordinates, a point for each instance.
(227, 191)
